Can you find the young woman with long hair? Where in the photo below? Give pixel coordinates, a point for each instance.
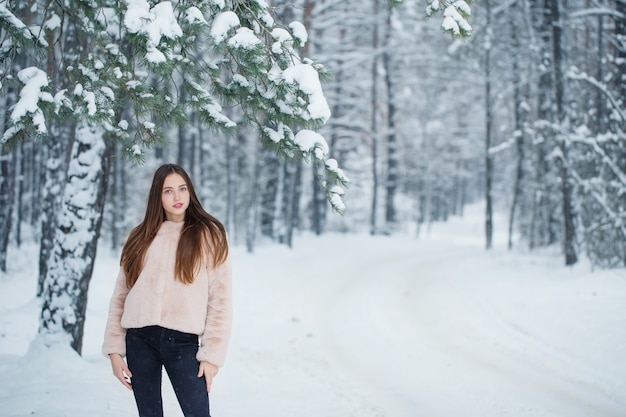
(172, 306)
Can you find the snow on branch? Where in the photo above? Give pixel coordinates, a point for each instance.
(27, 110)
(581, 76)
(314, 144)
(455, 16)
(155, 23)
(306, 78)
(17, 27)
(222, 24)
(593, 144)
(615, 217)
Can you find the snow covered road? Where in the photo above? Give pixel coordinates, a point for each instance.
(431, 332)
(361, 326)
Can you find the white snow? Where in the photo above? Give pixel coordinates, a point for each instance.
(299, 32)
(223, 23)
(53, 22)
(452, 19)
(155, 23)
(307, 79)
(218, 3)
(309, 140)
(244, 38)
(333, 165)
(90, 100)
(31, 94)
(361, 326)
(277, 135)
(194, 15)
(283, 39)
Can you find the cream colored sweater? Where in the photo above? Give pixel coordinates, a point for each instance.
(157, 298)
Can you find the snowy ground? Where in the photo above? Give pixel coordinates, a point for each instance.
(355, 326)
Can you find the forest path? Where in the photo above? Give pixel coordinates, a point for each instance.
(433, 336)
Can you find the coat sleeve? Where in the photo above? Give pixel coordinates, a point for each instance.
(214, 340)
(115, 334)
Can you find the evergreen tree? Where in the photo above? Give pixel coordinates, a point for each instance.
(122, 56)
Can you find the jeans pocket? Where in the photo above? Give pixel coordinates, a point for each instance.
(181, 338)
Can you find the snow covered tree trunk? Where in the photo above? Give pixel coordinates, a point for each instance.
(55, 179)
(569, 232)
(71, 261)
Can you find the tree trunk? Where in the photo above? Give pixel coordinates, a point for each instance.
(569, 232)
(7, 184)
(71, 262)
(488, 139)
(541, 220)
(183, 151)
(272, 184)
(292, 205)
(55, 178)
(374, 124)
(620, 50)
(392, 158)
(118, 194)
(253, 209)
(18, 179)
(6, 206)
(318, 212)
(231, 164)
(278, 218)
(36, 164)
(519, 131)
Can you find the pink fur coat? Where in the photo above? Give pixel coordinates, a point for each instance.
(157, 298)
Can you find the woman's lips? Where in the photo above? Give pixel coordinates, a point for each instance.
(179, 205)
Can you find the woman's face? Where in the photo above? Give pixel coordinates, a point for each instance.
(175, 197)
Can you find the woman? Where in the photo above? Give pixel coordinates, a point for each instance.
(171, 306)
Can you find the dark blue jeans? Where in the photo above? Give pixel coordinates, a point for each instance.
(148, 350)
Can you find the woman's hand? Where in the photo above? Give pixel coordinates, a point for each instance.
(208, 370)
(120, 370)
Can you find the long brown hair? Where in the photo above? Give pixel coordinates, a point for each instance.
(202, 234)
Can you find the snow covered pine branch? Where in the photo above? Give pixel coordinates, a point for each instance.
(254, 64)
(455, 16)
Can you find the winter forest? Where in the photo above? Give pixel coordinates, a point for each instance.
(323, 116)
